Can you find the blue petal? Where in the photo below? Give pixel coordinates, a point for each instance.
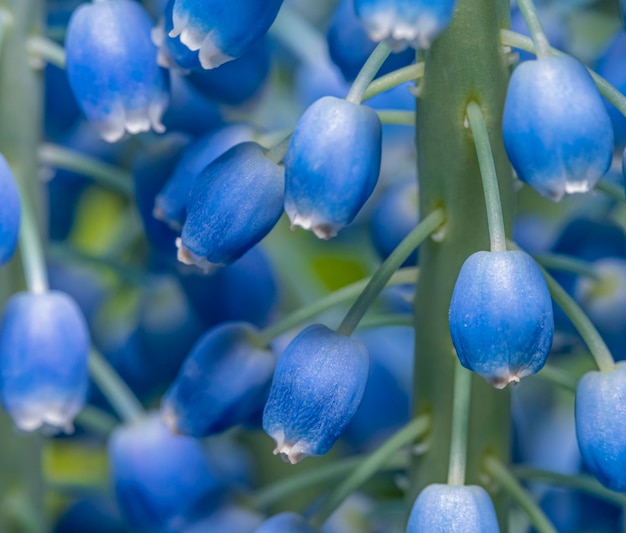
(318, 385)
(10, 214)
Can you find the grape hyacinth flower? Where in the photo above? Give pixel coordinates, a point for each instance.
(223, 382)
(332, 165)
(161, 481)
(44, 347)
(446, 508)
(234, 203)
(416, 23)
(221, 31)
(556, 130)
(10, 214)
(318, 385)
(501, 318)
(112, 68)
(601, 425)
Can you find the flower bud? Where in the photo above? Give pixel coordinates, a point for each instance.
(10, 214)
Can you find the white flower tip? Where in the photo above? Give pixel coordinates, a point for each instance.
(321, 231)
(290, 453)
(187, 257)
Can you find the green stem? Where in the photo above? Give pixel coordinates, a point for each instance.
(495, 219)
(465, 63)
(584, 483)
(5, 21)
(460, 420)
(407, 435)
(529, 12)
(558, 377)
(368, 72)
(381, 321)
(393, 79)
(31, 248)
(299, 35)
(613, 190)
(598, 348)
(516, 40)
(393, 116)
(121, 398)
(503, 476)
(378, 281)
(277, 152)
(286, 488)
(108, 176)
(46, 49)
(96, 421)
(566, 263)
(403, 276)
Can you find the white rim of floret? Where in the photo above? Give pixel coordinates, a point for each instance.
(187, 257)
(290, 452)
(169, 418)
(399, 34)
(159, 214)
(51, 417)
(321, 231)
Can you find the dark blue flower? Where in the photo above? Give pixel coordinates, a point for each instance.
(221, 31)
(112, 68)
(501, 317)
(44, 346)
(318, 385)
(223, 382)
(234, 203)
(556, 130)
(332, 165)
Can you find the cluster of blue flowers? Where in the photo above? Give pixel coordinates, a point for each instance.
(196, 349)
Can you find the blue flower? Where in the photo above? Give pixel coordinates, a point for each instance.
(405, 23)
(10, 214)
(112, 68)
(221, 31)
(160, 480)
(318, 385)
(601, 425)
(223, 382)
(462, 509)
(44, 346)
(234, 203)
(556, 130)
(332, 165)
(501, 318)
(287, 522)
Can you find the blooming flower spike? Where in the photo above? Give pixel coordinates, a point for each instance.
(459, 509)
(44, 345)
(601, 425)
(221, 31)
(112, 68)
(501, 318)
(10, 213)
(405, 23)
(332, 165)
(556, 130)
(318, 385)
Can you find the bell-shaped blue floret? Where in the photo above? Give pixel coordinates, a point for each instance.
(160, 480)
(44, 347)
(349, 45)
(112, 68)
(222, 383)
(10, 214)
(556, 130)
(172, 53)
(332, 165)
(405, 23)
(447, 508)
(285, 523)
(318, 385)
(221, 31)
(501, 318)
(171, 203)
(234, 203)
(601, 425)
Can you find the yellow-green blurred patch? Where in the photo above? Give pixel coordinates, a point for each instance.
(75, 464)
(336, 271)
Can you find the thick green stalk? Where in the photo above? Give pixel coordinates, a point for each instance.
(20, 119)
(465, 63)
